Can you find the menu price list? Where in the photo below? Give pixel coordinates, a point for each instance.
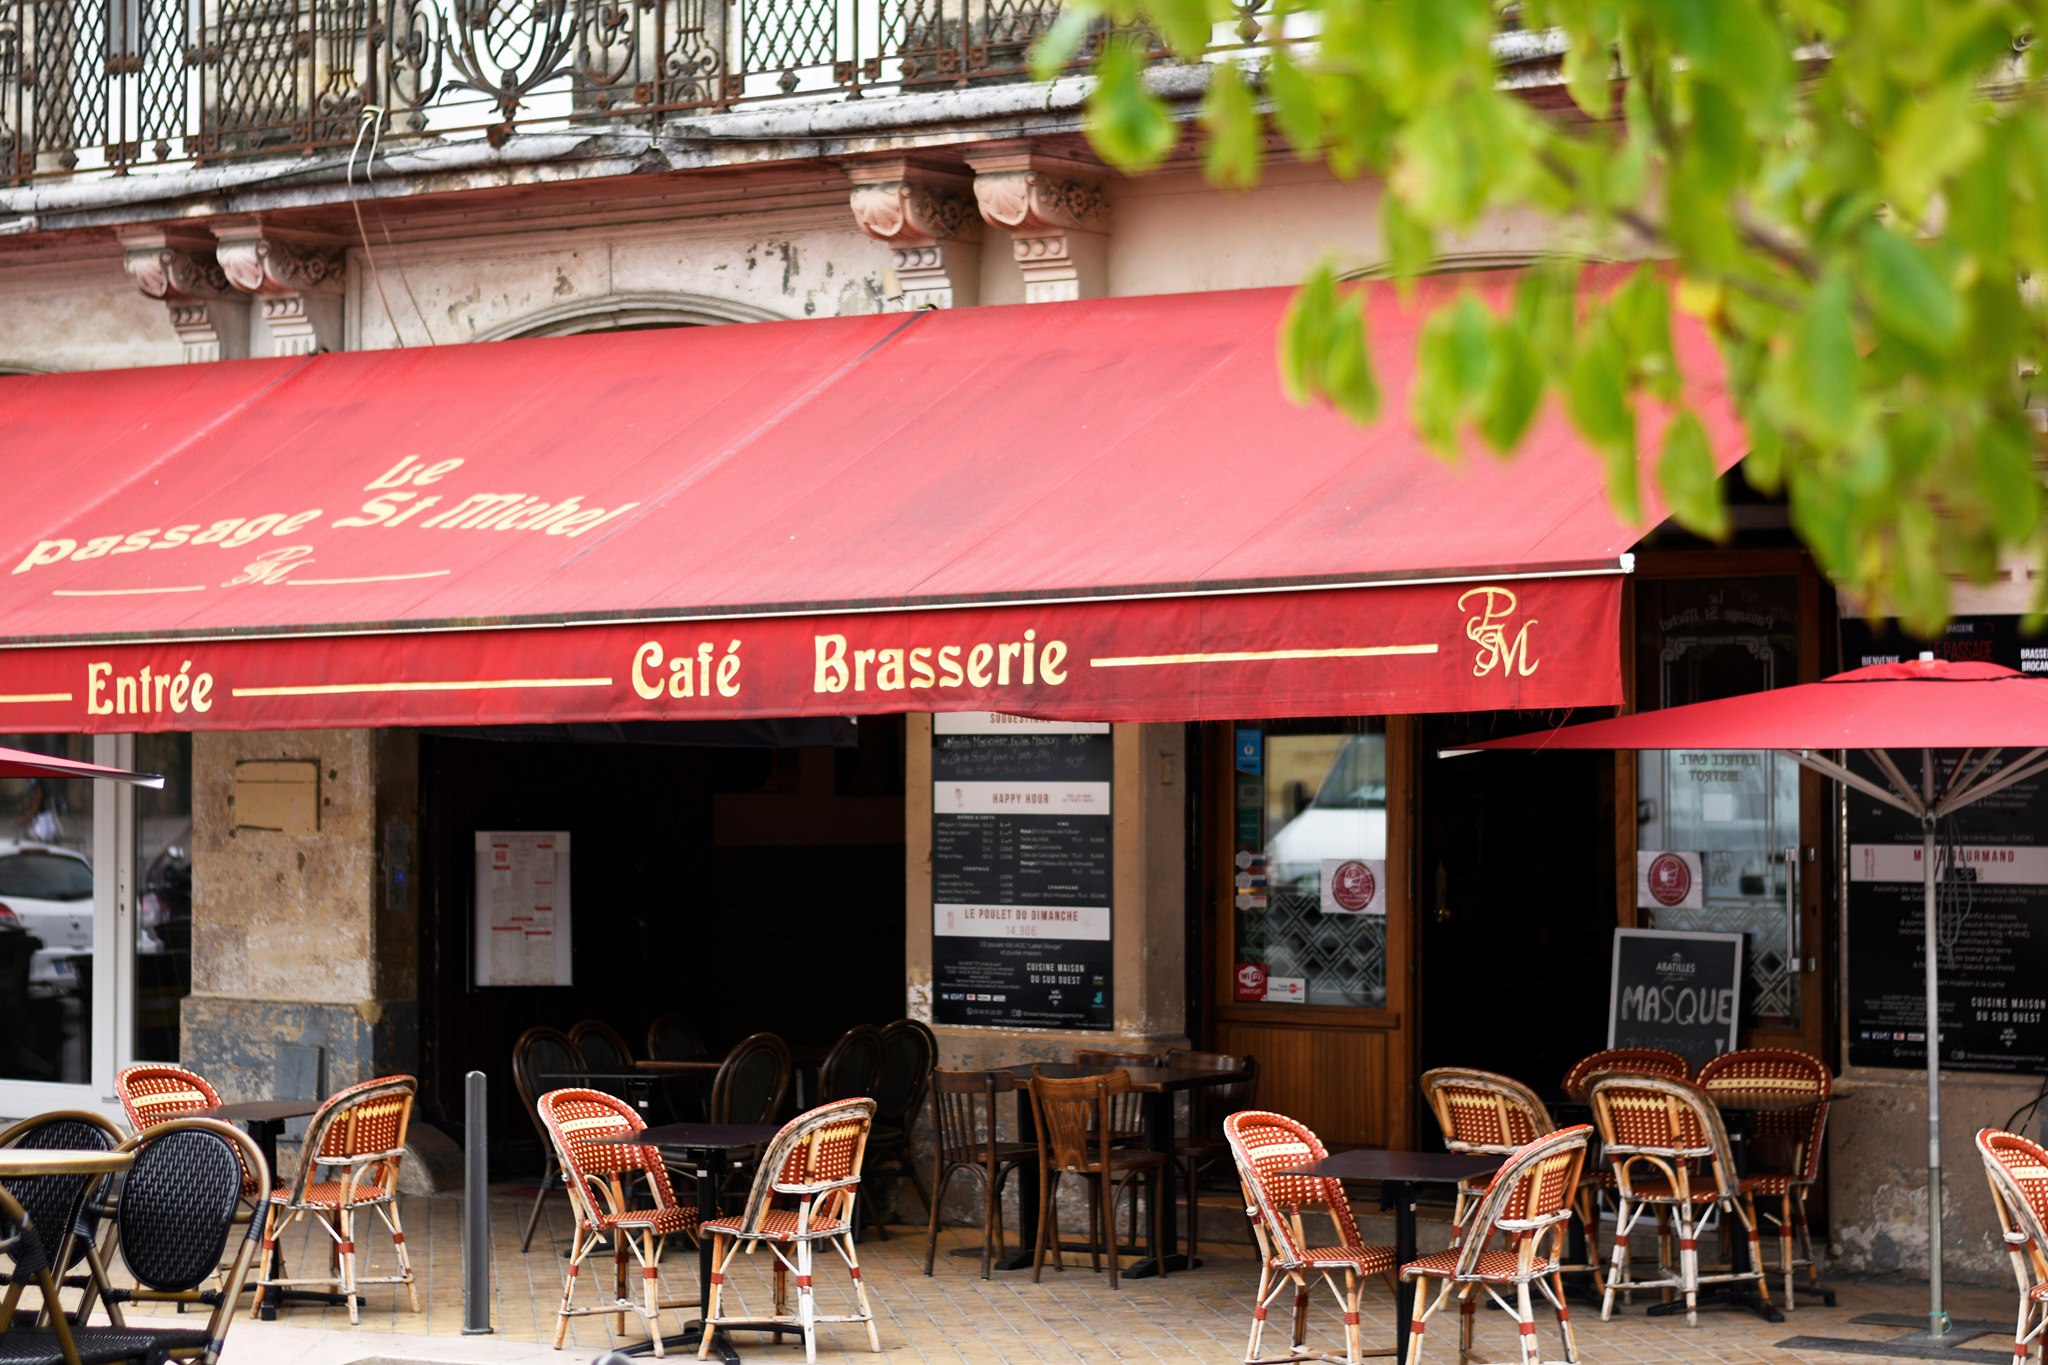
(1021, 875)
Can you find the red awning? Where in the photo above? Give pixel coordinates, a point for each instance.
(1103, 509)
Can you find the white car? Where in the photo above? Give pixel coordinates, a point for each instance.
(48, 891)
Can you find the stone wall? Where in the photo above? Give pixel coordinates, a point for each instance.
(307, 940)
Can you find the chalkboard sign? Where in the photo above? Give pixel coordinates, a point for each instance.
(1678, 991)
(1021, 895)
(1991, 896)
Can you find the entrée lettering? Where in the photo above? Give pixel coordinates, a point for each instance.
(925, 667)
(656, 675)
(146, 693)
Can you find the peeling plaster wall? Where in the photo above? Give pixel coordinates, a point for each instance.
(1876, 1173)
(295, 939)
(81, 315)
(801, 266)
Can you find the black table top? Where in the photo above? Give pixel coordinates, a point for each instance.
(715, 1137)
(1416, 1168)
(1145, 1079)
(259, 1111)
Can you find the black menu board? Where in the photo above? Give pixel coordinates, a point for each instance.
(1021, 872)
(1676, 990)
(1991, 904)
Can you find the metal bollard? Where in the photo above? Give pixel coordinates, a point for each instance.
(476, 1212)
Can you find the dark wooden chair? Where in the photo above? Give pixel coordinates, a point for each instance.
(964, 1137)
(1075, 1137)
(752, 1084)
(1127, 1111)
(672, 1038)
(602, 1047)
(1205, 1146)
(542, 1060)
(852, 1065)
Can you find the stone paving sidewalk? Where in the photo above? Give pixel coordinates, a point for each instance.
(955, 1318)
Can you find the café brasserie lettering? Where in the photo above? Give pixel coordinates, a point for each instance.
(400, 500)
(922, 667)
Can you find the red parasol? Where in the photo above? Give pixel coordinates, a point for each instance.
(1928, 704)
(21, 763)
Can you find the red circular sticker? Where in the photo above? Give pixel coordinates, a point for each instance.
(1251, 981)
(1352, 886)
(1670, 879)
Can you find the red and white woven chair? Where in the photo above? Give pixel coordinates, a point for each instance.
(599, 1178)
(1785, 1144)
(1527, 1204)
(359, 1135)
(151, 1092)
(1265, 1145)
(802, 1194)
(1665, 1143)
(2018, 1172)
(1486, 1114)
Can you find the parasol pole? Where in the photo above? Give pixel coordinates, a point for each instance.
(1938, 1323)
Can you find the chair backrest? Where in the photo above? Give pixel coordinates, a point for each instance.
(1265, 1146)
(1126, 1106)
(752, 1083)
(179, 1199)
(1664, 1122)
(816, 1158)
(964, 1112)
(853, 1064)
(594, 1171)
(1076, 1115)
(58, 1204)
(1786, 1141)
(908, 1058)
(1638, 1061)
(153, 1091)
(177, 1209)
(1484, 1112)
(1529, 1196)
(1095, 1056)
(2018, 1171)
(602, 1047)
(672, 1038)
(542, 1060)
(365, 1120)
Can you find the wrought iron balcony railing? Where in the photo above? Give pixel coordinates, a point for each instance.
(124, 85)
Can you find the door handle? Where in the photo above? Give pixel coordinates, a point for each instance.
(1794, 857)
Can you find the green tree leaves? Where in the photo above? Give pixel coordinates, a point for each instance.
(1850, 198)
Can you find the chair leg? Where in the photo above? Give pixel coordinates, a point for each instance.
(650, 1290)
(931, 1239)
(1564, 1319)
(1300, 1314)
(806, 1304)
(1525, 1324)
(346, 1218)
(577, 1250)
(1161, 1253)
(1423, 1315)
(1266, 1291)
(1045, 1215)
(1352, 1284)
(1105, 1210)
(547, 1178)
(860, 1297)
(389, 1213)
(1689, 1262)
(719, 1257)
(1746, 1210)
(1468, 1319)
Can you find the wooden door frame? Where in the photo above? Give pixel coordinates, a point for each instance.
(1397, 1016)
(1817, 1028)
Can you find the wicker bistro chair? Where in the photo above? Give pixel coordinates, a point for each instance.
(1666, 1145)
(599, 1176)
(1265, 1147)
(180, 1198)
(543, 1059)
(602, 1047)
(852, 1065)
(909, 1054)
(1785, 1144)
(151, 1092)
(672, 1038)
(1487, 1114)
(1076, 1137)
(752, 1084)
(964, 1139)
(2018, 1172)
(358, 1132)
(60, 1205)
(1527, 1203)
(814, 1161)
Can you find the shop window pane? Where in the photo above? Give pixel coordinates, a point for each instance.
(163, 914)
(1737, 811)
(1311, 863)
(46, 919)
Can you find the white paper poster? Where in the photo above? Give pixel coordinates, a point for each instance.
(1669, 881)
(1354, 886)
(522, 908)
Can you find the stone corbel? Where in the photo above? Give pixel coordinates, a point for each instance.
(925, 214)
(178, 267)
(295, 277)
(1056, 215)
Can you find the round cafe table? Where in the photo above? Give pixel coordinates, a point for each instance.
(22, 1162)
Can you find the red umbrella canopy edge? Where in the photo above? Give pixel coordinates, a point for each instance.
(21, 763)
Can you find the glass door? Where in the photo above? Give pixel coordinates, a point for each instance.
(1726, 841)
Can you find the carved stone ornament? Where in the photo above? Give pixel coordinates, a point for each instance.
(912, 213)
(926, 216)
(1022, 192)
(172, 266)
(258, 259)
